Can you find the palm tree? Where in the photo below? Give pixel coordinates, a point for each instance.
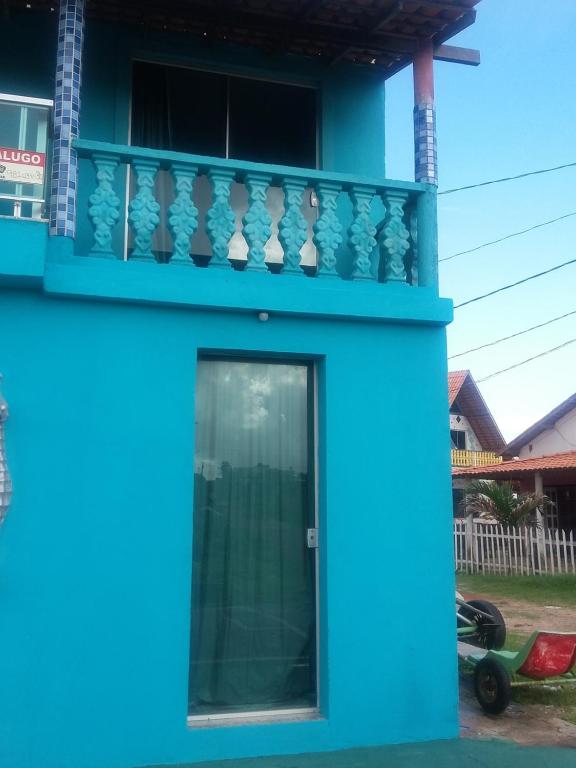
(501, 502)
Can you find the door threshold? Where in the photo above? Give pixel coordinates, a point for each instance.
(254, 718)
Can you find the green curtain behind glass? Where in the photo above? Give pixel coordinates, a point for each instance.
(253, 607)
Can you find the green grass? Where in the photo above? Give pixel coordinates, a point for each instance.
(515, 640)
(556, 696)
(541, 590)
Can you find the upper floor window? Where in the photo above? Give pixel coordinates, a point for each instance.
(218, 115)
(24, 124)
(458, 438)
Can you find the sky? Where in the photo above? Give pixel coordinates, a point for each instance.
(514, 113)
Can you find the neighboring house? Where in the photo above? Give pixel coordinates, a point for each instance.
(216, 312)
(476, 440)
(542, 459)
(553, 433)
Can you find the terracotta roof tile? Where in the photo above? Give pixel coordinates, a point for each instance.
(558, 461)
(455, 381)
(461, 386)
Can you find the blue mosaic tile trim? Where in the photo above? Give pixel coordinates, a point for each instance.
(66, 112)
(425, 157)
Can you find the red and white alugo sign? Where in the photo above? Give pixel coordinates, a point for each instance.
(22, 166)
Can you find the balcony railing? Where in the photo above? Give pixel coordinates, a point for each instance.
(184, 209)
(474, 458)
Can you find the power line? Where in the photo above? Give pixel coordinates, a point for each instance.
(513, 285)
(507, 178)
(507, 237)
(513, 335)
(528, 360)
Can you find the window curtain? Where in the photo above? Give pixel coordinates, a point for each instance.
(253, 604)
(182, 110)
(187, 110)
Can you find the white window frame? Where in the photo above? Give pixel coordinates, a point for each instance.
(38, 202)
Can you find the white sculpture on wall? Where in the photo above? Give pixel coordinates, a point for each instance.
(5, 481)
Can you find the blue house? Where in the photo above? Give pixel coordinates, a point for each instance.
(223, 359)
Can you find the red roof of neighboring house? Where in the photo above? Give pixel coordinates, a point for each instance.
(558, 462)
(546, 422)
(455, 381)
(462, 387)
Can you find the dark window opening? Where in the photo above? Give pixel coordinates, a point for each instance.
(458, 506)
(458, 438)
(205, 113)
(272, 123)
(178, 109)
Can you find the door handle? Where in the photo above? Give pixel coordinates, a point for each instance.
(312, 538)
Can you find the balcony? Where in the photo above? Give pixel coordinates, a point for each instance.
(166, 226)
(462, 458)
(213, 233)
(149, 225)
(363, 230)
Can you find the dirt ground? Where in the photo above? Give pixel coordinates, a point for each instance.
(522, 617)
(527, 724)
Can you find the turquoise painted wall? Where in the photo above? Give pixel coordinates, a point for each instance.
(95, 554)
(28, 55)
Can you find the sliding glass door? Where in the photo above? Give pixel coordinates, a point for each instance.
(253, 638)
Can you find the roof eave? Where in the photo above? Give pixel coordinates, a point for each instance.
(546, 422)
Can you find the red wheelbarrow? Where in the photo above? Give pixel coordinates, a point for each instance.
(545, 658)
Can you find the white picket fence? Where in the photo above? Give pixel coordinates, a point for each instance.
(490, 548)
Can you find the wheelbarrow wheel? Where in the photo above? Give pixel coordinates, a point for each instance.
(490, 633)
(492, 686)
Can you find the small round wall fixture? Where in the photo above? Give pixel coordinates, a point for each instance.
(263, 317)
(5, 481)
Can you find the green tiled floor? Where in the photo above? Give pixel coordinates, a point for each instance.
(462, 753)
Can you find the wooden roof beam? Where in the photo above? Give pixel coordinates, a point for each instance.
(447, 53)
(384, 42)
(387, 17)
(392, 42)
(465, 21)
(455, 55)
(306, 8)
